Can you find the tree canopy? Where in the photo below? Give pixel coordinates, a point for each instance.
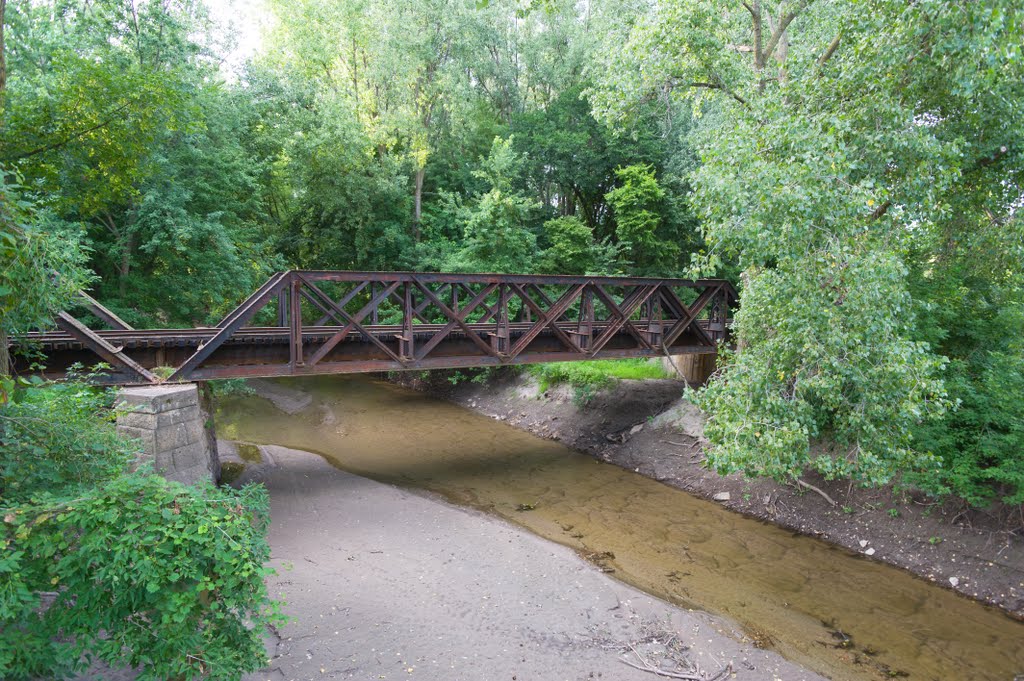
(860, 164)
(855, 168)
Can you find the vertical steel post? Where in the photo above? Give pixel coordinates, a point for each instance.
(282, 308)
(504, 333)
(373, 314)
(295, 323)
(585, 325)
(406, 341)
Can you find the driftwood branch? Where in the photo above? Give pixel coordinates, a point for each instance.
(818, 490)
(662, 672)
(696, 675)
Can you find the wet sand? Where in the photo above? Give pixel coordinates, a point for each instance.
(384, 583)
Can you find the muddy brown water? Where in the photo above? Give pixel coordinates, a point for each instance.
(829, 609)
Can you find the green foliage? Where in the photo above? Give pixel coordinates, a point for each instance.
(852, 155)
(42, 263)
(147, 573)
(637, 206)
(574, 250)
(589, 377)
(58, 437)
(231, 386)
(595, 373)
(113, 119)
(496, 237)
(142, 571)
(976, 321)
(825, 359)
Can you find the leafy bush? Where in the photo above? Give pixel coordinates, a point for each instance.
(231, 386)
(976, 322)
(147, 573)
(58, 438)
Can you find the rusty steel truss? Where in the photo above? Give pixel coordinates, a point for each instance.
(322, 322)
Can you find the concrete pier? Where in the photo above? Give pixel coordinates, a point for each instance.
(171, 424)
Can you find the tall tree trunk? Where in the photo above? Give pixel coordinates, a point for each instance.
(126, 266)
(5, 357)
(418, 202)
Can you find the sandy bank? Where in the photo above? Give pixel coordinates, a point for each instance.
(383, 583)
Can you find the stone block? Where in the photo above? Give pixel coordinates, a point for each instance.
(169, 418)
(138, 420)
(163, 462)
(179, 435)
(160, 398)
(189, 456)
(145, 435)
(191, 476)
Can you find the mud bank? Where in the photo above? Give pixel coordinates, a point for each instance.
(645, 427)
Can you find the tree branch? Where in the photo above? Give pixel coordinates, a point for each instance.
(807, 485)
(70, 138)
(784, 21)
(721, 88)
(1002, 151)
(881, 210)
(3, 56)
(830, 50)
(755, 12)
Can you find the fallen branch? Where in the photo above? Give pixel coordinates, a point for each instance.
(811, 487)
(691, 445)
(662, 672)
(723, 674)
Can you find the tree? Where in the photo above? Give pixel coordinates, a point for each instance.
(847, 149)
(43, 270)
(637, 206)
(496, 235)
(115, 122)
(574, 250)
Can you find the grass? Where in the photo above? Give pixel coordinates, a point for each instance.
(596, 374)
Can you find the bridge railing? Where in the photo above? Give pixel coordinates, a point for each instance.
(307, 322)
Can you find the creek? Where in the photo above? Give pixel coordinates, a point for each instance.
(831, 610)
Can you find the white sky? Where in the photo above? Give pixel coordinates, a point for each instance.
(248, 20)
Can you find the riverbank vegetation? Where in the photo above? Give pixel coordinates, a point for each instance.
(586, 378)
(855, 168)
(99, 562)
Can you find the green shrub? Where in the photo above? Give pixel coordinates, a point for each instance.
(143, 571)
(231, 386)
(147, 573)
(58, 438)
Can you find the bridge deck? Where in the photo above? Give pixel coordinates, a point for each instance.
(330, 322)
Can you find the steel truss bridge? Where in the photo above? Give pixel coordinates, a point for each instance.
(326, 322)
